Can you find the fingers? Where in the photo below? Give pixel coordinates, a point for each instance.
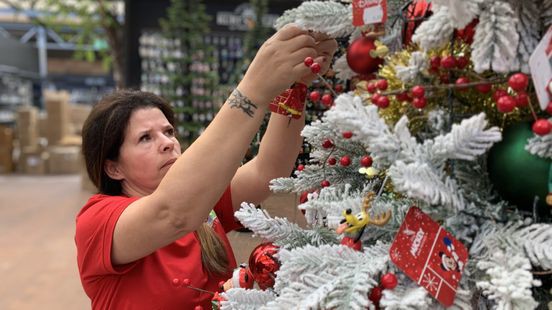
(289, 31)
(319, 36)
(327, 47)
(300, 42)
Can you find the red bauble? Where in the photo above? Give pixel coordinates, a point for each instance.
(542, 127)
(462, 81)
(366, 161)
(345, 161)
(375, 295)
(375, 98)
(448, 62)
(506, 104)
(327, 100)
(325, 183)
(518, 81)
(350, 242)
(263, 264)
(308, 61)
(389, 281)
(304, 197)
(300, 167)
(314, 96)
(382, 84)
(468, 32)
(338, 88)
(371, 88)
(327, 144)
(435, 62)
(522, 99)
(315, 68)
(383, 102)
(419, 103)
(358, 56)
(403, 96)
(418, 91)
(462, 62)
(332, 161)
(549, 108)
(347, 134)
(499, 93)
(484, 88)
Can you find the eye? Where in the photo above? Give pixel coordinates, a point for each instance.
(170, 132)
(144, 138)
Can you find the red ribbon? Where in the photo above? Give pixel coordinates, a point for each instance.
(291, 102)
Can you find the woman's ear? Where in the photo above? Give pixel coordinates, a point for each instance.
(112, 170)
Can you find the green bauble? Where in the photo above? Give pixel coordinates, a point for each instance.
(517, 175)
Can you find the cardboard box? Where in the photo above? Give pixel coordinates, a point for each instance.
(32, 161)
(27, 126)
(57, 108)
(78, 114)
(6, 161)
(6, 139)
(64, 159)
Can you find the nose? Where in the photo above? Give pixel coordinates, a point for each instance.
(166, 144)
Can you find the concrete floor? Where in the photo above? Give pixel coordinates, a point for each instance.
(37, 252)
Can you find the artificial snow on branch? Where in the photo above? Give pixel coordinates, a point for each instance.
(280, 231)
(342, 69)
(436, 31)
(336, 276)
(540, 146)
(461, 13)
(496, 40)
(546, 13)
(245, 299)
(329, 17)
(416, 64)
(510, 281)
(529, 29)
(408, 295)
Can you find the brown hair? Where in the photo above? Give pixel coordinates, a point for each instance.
(103, 134)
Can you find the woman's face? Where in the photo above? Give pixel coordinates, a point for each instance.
(148, 151)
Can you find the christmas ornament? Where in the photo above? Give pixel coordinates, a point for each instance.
(462, 81)
(506, 104)
(241, 278)
(375, 295)
(415, 14)
(352, 243)
(303, 197)
(429, 255)
(366, 161)
(549, 108)
(419, 103)
(291, 102)
(522, 99)
(484, 88)
(462, 62)
(448, 62)
(360, 56)
(327, 144)
(516, 174)
(518, 81)
(435, 63)
(371, 88)
(370, 172)
(542, 127)
(345, 161)
(327, 100)
(338, 88)
(347, 134)
(468, 32)
(389, 281)
(499, 93)
(382, 84)
(383, 102)
(263, 264)
(355, 223)
(332, 161)
(216, 301)
(418, 91)
(315, 68)
(325, 183)
(314, 96)
(300, 167)
(308, 61)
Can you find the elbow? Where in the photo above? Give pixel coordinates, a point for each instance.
(180, 221)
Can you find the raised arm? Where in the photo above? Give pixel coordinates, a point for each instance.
(196, 181)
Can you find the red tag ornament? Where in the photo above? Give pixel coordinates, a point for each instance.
(367, 12)
(429, 255)
(291, 102)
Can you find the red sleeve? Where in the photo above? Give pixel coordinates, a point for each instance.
(225, 212)
(94, 235)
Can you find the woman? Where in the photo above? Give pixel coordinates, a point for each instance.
(162, 217)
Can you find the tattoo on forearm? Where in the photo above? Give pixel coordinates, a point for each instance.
(239, 101)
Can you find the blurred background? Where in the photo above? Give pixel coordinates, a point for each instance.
(57, 58)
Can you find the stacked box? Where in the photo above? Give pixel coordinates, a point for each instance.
(32, 160)
(27, 126)
(6, 150)
(79, 113)
(57, 108)
(64, 159)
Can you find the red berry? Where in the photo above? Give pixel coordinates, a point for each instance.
(332, 161)
(338, 88)
(499, 93)
(327, 144)
(327, 100)
(375, 295)
(448, 62)
(347, 134)
(518, 81)
(542, 127)
(308, 61)
(382, 84)
(176, 282)
(325, 183)
(366, 161)
(444, 78)
(462, 81)
(300, 167)
(375, 98)
(315, 68)
(549, 108)
(419, 103)
(198, 307)
(484, 88)
(345, 161)
(314, 96)
(462, 62)
(418, 91)
(186, 282)
(383, 102)
(435, 62)
(389, 281)
(522, 99)
(402, 96)
(506, 104)
(371, 88)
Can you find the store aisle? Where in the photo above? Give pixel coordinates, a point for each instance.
(37, 252)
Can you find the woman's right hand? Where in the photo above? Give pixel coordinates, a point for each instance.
(278, 64)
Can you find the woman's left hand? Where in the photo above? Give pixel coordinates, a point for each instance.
(325, 47)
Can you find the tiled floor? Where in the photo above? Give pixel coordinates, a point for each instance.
(37, 251)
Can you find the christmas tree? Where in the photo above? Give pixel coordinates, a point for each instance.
(188, 75)
(440, 114)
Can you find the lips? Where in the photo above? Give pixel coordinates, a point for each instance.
(168, 163)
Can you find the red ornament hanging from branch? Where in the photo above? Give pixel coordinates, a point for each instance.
(363, 56)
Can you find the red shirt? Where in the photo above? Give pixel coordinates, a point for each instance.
(148, 282)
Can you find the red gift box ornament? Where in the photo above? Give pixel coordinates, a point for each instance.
(291, 102)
